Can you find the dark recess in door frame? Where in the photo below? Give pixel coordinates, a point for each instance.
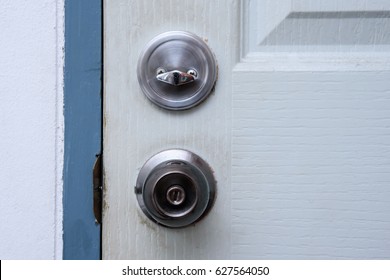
(83, 103)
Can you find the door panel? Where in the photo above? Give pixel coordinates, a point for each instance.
(310, 161)
(297, 132)
(320, 26)
(136, 129)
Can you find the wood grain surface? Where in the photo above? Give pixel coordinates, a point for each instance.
(299, 140)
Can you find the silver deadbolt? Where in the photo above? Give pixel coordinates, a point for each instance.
(177, 70)
(175, 188)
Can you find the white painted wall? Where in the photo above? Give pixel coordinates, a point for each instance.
(31, 123)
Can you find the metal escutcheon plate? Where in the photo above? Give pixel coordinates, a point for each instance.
(175, 188)
(182, 54)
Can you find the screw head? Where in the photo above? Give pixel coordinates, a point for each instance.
(160, 70)
(192, 72)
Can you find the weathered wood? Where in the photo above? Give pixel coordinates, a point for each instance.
(299, 140)
(135, 129)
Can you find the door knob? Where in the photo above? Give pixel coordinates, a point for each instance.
(175, 188)
(177, 70)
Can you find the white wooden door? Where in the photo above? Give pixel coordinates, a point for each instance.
(297, 129)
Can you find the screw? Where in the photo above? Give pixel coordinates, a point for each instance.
(192, 72)
(160, 70)
(176, 195)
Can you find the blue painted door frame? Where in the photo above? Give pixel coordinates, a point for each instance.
(83, 126)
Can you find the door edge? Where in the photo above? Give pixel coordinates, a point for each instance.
(83, 126)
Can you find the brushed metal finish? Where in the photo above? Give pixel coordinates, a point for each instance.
(177, 54)
(175, 188)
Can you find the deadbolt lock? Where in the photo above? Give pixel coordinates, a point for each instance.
(177, 70)
(175, 188)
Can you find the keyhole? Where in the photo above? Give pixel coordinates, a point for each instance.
(176, 195)
(176, 78)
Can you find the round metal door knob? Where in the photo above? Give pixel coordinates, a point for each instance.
(177, 70)
(175, 188)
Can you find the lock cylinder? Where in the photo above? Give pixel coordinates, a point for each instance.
(175, 188)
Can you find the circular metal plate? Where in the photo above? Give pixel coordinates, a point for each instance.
(180, 51)
(166, 171)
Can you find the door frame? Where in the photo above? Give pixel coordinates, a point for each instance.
(83, 72)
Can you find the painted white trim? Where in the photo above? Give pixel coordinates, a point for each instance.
(58, 215)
